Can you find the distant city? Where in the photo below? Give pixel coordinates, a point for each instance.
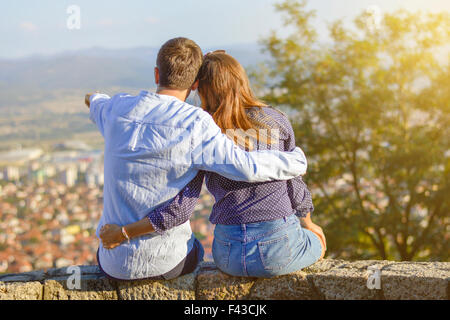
(51, 203)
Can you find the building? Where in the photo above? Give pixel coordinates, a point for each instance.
(11, 173)
(69, 176)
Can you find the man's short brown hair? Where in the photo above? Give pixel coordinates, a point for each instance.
(179, 61)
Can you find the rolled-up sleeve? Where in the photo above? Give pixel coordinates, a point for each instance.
(300, 197)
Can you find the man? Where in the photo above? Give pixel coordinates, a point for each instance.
(155, 144)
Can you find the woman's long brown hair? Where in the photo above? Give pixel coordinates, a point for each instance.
(225, 93)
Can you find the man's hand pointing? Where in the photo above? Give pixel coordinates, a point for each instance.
(87, 100)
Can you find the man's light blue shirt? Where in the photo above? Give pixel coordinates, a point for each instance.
(154, 146)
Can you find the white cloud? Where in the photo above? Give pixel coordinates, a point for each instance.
(28, 26)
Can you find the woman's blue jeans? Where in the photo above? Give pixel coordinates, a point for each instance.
(265, 249)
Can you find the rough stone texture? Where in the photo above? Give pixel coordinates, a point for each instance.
(21, 290)
(93, 285)
(324, 265)
(326, 279)
(294, 286)
(416, 281)
(181, 288)
(347, 281)
(213, 284)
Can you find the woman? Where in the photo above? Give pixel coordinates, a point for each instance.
(262, 229)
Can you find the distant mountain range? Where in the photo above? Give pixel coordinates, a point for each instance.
(94, 68)
(42, 97)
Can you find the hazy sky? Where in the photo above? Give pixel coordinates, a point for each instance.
(39, 26)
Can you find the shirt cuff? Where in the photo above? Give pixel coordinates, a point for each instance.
(96, 96)
(303, 212)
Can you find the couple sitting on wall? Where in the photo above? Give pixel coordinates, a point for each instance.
(159, 150)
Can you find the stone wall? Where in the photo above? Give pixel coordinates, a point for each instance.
(326, 279)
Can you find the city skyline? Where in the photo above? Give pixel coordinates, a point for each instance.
(51, 203)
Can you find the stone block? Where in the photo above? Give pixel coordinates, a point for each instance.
(181, 288)
(294, 286)
(21, 290)
(93, 285)
(347, 281)
(323, 265)
(213, 284)
(416, 281)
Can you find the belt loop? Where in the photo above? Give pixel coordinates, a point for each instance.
(244, 232)
(285, 219)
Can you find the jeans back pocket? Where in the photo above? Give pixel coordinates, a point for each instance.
(275, 253)
(221, 253)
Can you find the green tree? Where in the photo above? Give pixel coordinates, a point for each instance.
(372, 112)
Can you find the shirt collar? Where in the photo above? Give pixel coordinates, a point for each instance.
(155, 95)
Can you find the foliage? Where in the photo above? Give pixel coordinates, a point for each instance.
(373, 116)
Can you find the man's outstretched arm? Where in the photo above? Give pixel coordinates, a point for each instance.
(99, 107)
